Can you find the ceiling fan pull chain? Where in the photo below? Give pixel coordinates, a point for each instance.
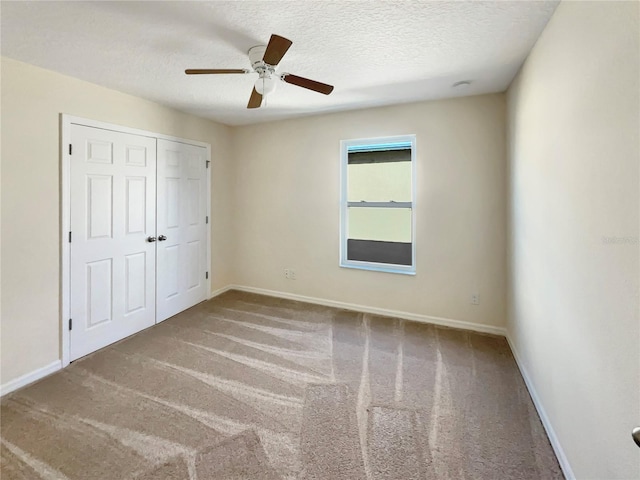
(264, 92)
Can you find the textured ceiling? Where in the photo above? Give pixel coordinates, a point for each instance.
(374, 52)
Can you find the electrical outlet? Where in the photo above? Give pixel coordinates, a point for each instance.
(475, 299)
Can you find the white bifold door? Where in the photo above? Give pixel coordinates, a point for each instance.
(126, 193)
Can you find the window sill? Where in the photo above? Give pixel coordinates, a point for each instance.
(378, 268)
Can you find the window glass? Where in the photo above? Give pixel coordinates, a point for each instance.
(381, 224)
(380, 181)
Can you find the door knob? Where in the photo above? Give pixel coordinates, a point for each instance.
(636, 435)
(162, 238)
(151, 239)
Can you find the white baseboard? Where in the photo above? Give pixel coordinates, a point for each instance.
(546, 423)
(446, 322)
(220, 291)
(30, 377)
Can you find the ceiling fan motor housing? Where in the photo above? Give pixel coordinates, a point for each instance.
(255, 56)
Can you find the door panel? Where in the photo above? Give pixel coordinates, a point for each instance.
(112, 266)
(194, 269)
(134, 282)
(99, 293)
(100, 201)
(182, 207)
(136, 205)
(171, 202)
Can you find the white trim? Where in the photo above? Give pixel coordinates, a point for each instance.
(390, 204)
(546, 423)
(220, 291)
(65, 207)
(65, 251)
(344, 204)
(30, 377)
(378, 267)
(210, 224)
(445, 322)
(87, 122)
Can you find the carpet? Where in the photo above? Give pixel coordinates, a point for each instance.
(246, 386)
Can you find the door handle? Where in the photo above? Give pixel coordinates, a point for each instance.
(151, 239)
(636, 435)
(162, 238)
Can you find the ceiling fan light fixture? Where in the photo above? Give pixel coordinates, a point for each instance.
(264, 60)
(266, 84)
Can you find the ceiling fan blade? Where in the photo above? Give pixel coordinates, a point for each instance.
(309, 84)
(276, 49)
(209, 71)
(255, 100)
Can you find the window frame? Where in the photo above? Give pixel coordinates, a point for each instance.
(344, 204)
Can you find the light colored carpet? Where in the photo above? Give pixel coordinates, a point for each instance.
(252, 387)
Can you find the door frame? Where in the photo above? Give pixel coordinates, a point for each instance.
(66, 122)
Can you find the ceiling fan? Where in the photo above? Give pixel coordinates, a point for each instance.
(264, 60)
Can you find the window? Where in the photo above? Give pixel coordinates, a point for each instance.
(378, 204)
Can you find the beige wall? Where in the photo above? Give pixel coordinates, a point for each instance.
(574, 155)
(287, 192)
(32, 99)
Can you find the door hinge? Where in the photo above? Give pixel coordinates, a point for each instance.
(206, 275)
(70, 324)
(206, 219)
(69, 237)
(208, 162)
(70, 149)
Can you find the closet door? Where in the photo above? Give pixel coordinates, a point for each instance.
(182, 229)
(113, 225)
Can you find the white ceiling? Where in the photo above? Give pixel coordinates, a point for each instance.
(373, 52)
